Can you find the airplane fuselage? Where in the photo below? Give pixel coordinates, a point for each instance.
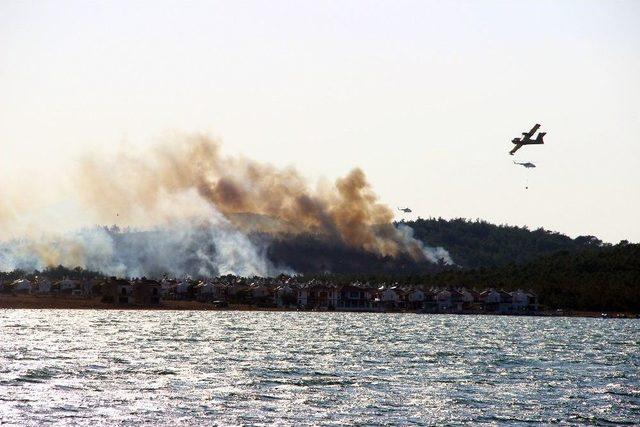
(527, 141)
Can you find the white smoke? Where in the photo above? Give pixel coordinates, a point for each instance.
(435, 255)
(199, 247)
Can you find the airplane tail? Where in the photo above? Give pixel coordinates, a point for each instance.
(540, 136)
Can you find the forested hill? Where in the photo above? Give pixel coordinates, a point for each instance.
(475, 244)
(607, 278)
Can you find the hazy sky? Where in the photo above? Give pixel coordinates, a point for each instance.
(423, 96)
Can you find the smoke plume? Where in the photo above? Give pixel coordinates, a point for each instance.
(196, 207)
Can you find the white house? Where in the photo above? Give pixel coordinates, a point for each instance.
(389, 295)
(389, 298)
(67, 285)
(520, 300)
(443, 299)
(303, 295)
(21, 285)
(466, 296)
(416, 299)
(491, 296)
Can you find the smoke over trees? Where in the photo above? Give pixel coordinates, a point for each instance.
(199, 208)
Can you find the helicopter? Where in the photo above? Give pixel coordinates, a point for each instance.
(527, 165)
(405, 210)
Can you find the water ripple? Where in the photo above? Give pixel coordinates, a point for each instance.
(258, 368)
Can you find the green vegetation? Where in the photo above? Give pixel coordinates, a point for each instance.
(54, 274)
(602, 279)
(475, 244)
(597, 279)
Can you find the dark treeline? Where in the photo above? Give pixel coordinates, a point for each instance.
(54, 274)
(596, 279)
(476, 243)
(606, 278)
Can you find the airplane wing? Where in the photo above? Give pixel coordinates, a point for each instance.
(516, 148)
(528, 135)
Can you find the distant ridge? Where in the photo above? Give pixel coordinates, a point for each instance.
(477, 243)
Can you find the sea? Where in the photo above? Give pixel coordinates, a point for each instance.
(111, 367)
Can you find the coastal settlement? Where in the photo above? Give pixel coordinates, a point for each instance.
(283, 292)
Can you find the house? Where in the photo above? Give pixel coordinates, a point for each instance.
(354, 298)
(66, 286)
(141, 291)
(416, 299)
(42, 286)
(490, 299)
(119, 291)
(497, 301)
(389, 298)
(444, 300)
(286, 296)
(321, 296)
(468, 298)
(520, 301)
(506, 302)
(91, 287)
(533, 301)
(21, 286)
(260, 293)
(167, 286)
(302, 294)
(430, 304)
(182, 289)
(523, 301)
(146, 292)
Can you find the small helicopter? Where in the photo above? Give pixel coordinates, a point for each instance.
(405, 210)
(526, 139)
(527, 165)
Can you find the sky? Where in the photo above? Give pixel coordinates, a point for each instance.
(424, 96)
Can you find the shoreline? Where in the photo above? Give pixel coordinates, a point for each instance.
(34, 302)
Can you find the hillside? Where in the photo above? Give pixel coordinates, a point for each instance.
(475, 244)
(606, 278)
(310, 254)
(594, 279)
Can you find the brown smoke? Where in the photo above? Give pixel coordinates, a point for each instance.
(146, 188)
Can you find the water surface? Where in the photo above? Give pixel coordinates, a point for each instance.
(190, 367)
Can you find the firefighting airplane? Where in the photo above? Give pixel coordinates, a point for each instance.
(526, 139)
(405, 210)
(526, 165)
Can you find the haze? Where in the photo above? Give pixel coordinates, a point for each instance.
(423, 96)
